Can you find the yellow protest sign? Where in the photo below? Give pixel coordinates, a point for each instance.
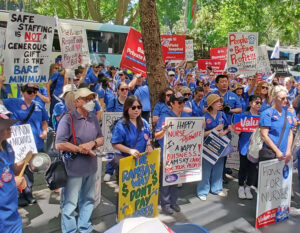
(138, 185)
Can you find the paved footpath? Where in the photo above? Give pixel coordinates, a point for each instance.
(218, 215)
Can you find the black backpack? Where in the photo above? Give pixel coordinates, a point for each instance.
(56, 175)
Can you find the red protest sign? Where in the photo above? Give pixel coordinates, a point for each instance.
(218, 53)
(133, 57)
(175, 47)
(217, 66)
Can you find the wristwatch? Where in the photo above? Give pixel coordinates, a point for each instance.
(95, 143)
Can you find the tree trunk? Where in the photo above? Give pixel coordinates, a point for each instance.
(93, 9)
(133, 17)
(122, 8)
(70, 9)
(152, 47)
(79, 10)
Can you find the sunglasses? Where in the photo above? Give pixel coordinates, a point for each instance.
(123, 89)
(56, 68)
(263, 87)
(283, 98)
(258, 102)
(121, 74)
(87, 99)
(31, 92)
(180, 102)
(187, 94)
(168, 95)
(139, 107)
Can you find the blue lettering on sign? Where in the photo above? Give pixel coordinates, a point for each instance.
(25, 69)
(28, 78)
(232, 69)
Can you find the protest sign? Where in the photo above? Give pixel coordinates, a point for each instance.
(133, 57)
(242, 55)
(22, 141)
(245, 123)
(139, 185)
(73, 44)
(108, 120)
(2, 43)
(28, 48)
(233, 159)
(182, 155)
(274, 192)
(217, 66)
(262, 61)
(97, 190)
(175, 45)
(218, 53)
(213, 146)
(280, 67)
(189, 50)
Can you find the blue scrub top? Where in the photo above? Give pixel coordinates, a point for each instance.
(264, 106)
(107, 94)
(96, 108)
(271, 119)
(211, 122)
(44, 92)
(160, 109)
(130, 137)
(90, 78)
(188, 104)
(114, 106)
(197, 109)
(142, 92)
(59, 79)
(20, 112)
(10, 220)
(243, 103)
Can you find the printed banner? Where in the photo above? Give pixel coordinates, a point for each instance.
(139, 185)
(133, 57)
(233, 159)
(74, 46)
(108, 120)
(245, 123)
(189, 50)
(182, 155)
(218, 53)
(217, 66)
(280, 67)
(22, 141)
(274, 192)
(214, 145)
(242, 54)
(175, 47)
(28, 48)
(2, 43)
(262, 62)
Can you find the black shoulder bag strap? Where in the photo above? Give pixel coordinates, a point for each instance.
(29, 114)
(283, 129)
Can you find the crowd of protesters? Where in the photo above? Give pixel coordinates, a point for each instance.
(76, 106)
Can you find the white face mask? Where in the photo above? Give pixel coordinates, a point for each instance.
(89, 106)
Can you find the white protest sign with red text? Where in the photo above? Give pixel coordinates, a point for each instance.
(242, 52)
(175, 47)
(217, 66)
(183, 145)
(29, 40)
(133, 57)
(218, 53)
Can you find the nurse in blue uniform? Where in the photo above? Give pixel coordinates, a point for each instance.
(168, 195)
(162, 106)
(212, 174)
(10, 220)
(197, 102)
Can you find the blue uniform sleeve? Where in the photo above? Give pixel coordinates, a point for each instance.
(43, 91)
(160, 121)
(237, 102)
(147, 129)
(10, 104)
(97, 106)
(226, 122)
(45, 116)
(156, 109)
(54, 76)
(265, 118)
(101, 93)
(118, 134)
(110, 105)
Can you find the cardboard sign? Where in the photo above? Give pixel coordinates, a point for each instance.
(245, 123)
(2, 43)
(217, 66)
(108, 119)
(28, 48)
(242, 55)
(73, 44)
(189, 50)
(274, 192)
(182, 155)
(214, 145)
(139, 185)
(280, 67)
(262, 62)
(175, 45)
(97, 191)
(233, 159)
(218, 53)
(133, 57)
(22, 141)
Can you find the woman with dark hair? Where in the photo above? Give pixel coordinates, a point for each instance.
(262, 90)
(247, 171)
(162, 106)
(105, 93)
(131, 135)
(238, 89)
(197, 103)
(117, 104)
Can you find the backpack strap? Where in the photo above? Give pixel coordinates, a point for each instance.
(29, 114)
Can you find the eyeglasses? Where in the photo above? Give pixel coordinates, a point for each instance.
(258, 102)
(86, 99)
(171, 75)
(139, 107)
(31, 92)
(264, 87)
(123, 89)
(282, 98)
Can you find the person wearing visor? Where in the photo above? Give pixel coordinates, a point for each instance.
(10, 220)
(169, 194)
(27, 111)
(78, 134)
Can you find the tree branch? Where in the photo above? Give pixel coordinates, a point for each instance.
(133, 17)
